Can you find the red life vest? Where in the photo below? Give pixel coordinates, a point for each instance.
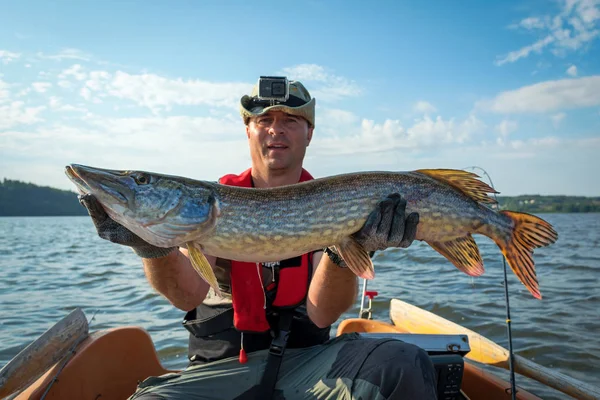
(247, 293)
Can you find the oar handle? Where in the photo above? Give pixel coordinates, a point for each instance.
(43, 353)
(555, 379)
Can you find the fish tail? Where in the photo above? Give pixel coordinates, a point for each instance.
(528, 232)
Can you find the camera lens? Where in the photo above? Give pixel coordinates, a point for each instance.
(278, 89)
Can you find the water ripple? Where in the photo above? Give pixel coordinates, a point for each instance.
(45, 275)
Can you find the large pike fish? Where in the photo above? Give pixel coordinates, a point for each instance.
(265, 225)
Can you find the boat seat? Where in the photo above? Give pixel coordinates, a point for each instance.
(362, 325)
(107, 365)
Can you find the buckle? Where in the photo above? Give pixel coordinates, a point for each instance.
(279, 343)
(192, 327)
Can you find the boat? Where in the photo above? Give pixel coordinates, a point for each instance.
(72, 363)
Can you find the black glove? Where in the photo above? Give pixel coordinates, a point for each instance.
(112, 231)
(388, 226)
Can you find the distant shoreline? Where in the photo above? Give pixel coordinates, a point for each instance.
(20, 199)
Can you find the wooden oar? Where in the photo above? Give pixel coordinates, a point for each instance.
(483, 350)
(35, 359)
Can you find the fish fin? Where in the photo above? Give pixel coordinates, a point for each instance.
(463, 253)
(357, 258)
(202, 266)
(529, 232)
(463, 181)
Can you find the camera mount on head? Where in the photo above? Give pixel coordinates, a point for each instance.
(272, 90)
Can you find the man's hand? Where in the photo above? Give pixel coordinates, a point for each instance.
(114, 232)
(388, 226)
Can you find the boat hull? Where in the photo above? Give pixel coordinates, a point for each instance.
(110, 363)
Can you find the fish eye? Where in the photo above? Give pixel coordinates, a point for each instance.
(141, 179)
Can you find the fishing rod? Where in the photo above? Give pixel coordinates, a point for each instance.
(361, 312)
(513, 390)
(366, 313)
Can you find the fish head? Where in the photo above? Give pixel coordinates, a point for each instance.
(163, 210)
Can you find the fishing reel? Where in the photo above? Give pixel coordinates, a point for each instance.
(367, 313)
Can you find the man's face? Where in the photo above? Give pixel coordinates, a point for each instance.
(278, 140)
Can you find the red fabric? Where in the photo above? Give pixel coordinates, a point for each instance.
(293, 284)
(246, 284)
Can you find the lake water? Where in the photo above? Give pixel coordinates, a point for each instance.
(50, 265)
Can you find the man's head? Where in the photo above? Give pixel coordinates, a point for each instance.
(299, 103)
(279, 132)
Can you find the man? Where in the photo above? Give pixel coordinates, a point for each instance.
(269, 336)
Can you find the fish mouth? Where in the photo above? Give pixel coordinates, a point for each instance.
(82, 186)
(98, 181)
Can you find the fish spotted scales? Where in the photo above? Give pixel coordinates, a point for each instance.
(268, 225)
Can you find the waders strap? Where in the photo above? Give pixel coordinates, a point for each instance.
(278, 345)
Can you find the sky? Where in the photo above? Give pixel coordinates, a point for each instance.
(510, 87)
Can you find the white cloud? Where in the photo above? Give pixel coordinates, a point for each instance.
(41, 87)
(56, 104)
(428, 131)
(576, 25)
(332, 117)
(65, 84)
(525, 148)
(186, 130)
(8, 56)
(97, 80)
(557, 119)
(525, 51)
(530, 23)
(66, 54)
(157, 92)
(517, 166)
(86, 93)
(391, 135)
(4, 93)
(547, 96)
(572, 71)
(24, 92)
(505, 128)
(307, 72)
(16, 113)
(587, 10)
(328, 87)
(76, 71)
(424, 107)
(204, 148)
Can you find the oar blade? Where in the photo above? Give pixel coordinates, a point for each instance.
(35, 359)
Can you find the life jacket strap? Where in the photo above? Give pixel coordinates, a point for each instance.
(275, 355)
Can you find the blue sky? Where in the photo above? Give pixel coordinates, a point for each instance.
(512, 87)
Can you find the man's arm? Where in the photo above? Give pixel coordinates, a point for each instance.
(331, 293)
(174, 278)
(333, 289)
